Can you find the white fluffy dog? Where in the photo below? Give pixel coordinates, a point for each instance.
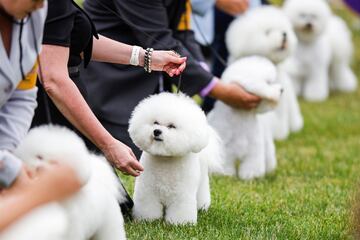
(92, 213)
(246, 137)
(267, 32)
(322, 59)
(178, 146)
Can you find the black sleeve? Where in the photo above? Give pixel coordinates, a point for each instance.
(150, 18)
(59, 23)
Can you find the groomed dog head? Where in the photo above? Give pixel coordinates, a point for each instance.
(257, 75)
(169, 125)
(308, 17)
(264, 31)
(50, 143)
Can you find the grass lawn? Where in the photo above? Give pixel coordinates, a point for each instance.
(310, 196)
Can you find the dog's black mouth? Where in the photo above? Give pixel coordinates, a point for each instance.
(158, 139)
(284, 45)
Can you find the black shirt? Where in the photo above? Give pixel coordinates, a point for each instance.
(68, 26)
(133, 22)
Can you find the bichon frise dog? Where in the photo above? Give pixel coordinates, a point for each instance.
(178, 145)
(93, 212)
(245, 135)
(267, 32)
(322, 59)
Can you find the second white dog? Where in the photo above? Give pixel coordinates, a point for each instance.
(178, 146)
(267, 32)
(248, 140)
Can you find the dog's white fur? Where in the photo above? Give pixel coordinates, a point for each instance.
(92, 213)
(246, 137)
(178, 145)
(267, 32)
(322, 60)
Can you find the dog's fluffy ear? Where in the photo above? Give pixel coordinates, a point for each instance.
(234, 42)
(200, 138)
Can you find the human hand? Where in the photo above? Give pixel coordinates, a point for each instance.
(54, 182)
(235, 96)
(51, 182)
(123, 158)
(168, 61)
(232, 7)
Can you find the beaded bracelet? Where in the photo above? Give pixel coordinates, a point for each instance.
(147, 59)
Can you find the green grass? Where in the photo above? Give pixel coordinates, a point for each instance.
(310, 196)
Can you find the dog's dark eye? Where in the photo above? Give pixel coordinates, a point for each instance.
(156, 123)
(39, 157)
(171, 126)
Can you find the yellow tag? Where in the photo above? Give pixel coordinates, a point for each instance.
(185, 19)
(30, 80)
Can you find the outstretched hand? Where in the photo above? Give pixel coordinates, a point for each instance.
(169, 62)
(123, 158)
(235, 96)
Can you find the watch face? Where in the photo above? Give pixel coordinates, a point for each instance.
(354, 4)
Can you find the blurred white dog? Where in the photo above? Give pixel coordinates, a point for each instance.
(322, 59)
(247, 139)
(92, 213)
(267, 32)
(178, 146)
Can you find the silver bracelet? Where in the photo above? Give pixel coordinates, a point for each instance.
(147, 59)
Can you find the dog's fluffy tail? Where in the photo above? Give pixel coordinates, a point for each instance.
(105, 175)
(213, 153)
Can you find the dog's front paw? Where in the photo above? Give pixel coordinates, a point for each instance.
(147, 212)
(251, 171)
(181, 221)
(204, 206)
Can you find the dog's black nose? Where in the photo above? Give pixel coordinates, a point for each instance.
(309, 26)
(157, 132)
(284, 35)
(281, 90)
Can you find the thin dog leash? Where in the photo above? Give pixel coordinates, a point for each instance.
(215, 53)
(45, 97)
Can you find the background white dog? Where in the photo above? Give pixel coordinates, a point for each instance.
(178, 146)
(267, 32)
(322, 59)
(92, 213)
(247, 139)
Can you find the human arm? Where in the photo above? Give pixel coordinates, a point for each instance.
(108, 50)
(15, 119)
(232, 7)
(151, 19)
(69, 101)
(52, 183)
(234, 95)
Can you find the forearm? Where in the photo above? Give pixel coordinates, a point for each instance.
(67, 96)
(15, 118)
(13, 207)
(234, 95)
(108, 50)
(72, 105)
